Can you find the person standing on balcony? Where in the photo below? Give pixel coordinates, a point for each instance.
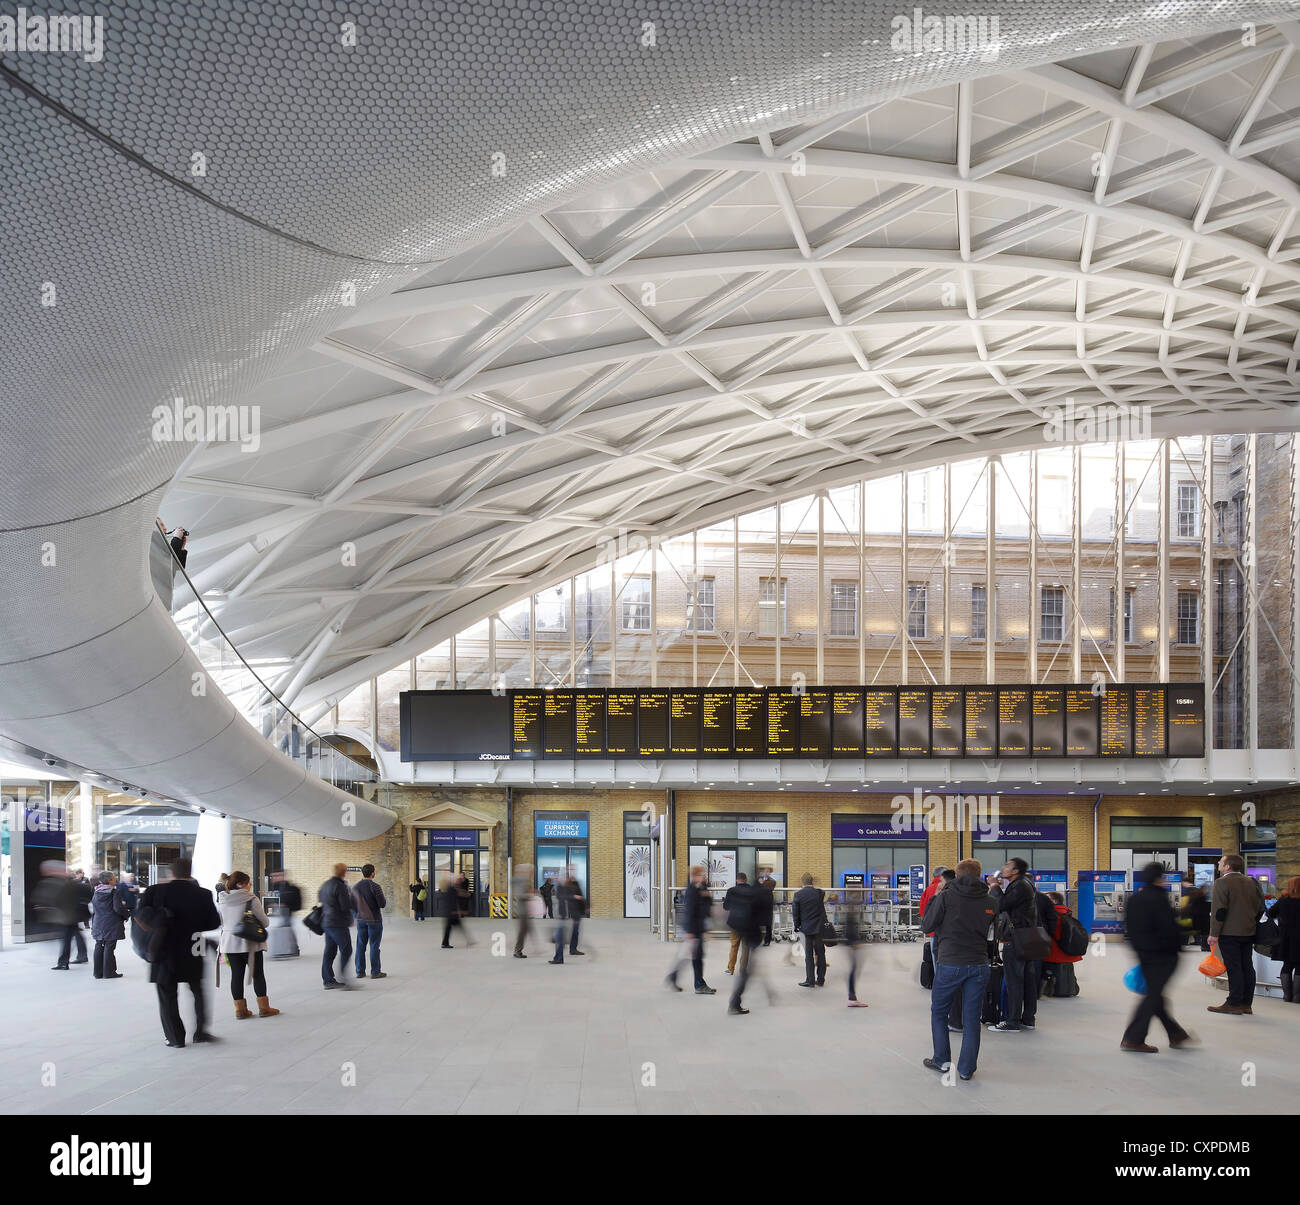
(178, 542)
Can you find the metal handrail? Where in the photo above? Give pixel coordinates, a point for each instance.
(288, 723)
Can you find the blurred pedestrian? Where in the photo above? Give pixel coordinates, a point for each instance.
(336, 920)
(1153, 932)
(521, 887)
(176, 913)
(696, 904)
(744, 919)
(574, 906)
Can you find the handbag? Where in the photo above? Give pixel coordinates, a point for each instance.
(1135, 980)
(312, 921)
(422, 895)
(1031, 943)
(1267, 935)
(249, 927)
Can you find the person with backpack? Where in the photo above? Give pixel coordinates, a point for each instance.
(810, 920)
(368, 897)
(108, 913)
(1069, 945)
(960, 917)
(243, 951)
(1016, 900)
(174, 914)
(336, 921)
(1152, 930)
(744, 919)
(1234, 917)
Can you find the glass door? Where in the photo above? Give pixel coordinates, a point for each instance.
(774, 859)
(466, 861)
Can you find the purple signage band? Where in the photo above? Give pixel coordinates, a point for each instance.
(879, 828)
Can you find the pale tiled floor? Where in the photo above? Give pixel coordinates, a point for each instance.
(464, 1031)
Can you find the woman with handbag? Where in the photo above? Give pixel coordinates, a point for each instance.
(1287, 914)
(419, 894)
(243, 939)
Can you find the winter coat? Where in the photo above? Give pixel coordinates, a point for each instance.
(336, 904)
(107, 911)
(232, 907)
(1151, 925)
(960, 918)
(1287, 914)
(193, 912)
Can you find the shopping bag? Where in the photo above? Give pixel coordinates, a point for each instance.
(1135, 981)
(1212, 966)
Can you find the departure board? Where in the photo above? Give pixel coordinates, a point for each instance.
(1117, 722)
(1013, 721)
(717, 723)
(652, 723)
(947, 723)
(589, 723)
(1047, 728)
(1186, 711)
(815, 724)
(558, 723)
(1148, 721)
(981, 722)
(1082, 717)
(847, 724)
(821, 722)
(526, 725)
(620, 723)
(782, 723)
(913, 723)
(684, 723)
(880, 722)
(750, 723)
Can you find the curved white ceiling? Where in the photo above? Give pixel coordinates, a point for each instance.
(649, 273)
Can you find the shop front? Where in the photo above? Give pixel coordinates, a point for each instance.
(1040, 840)
(1137, 840)
(731, 843)
(457, 852)
(561, 845)
(877, 850)
(144, 839)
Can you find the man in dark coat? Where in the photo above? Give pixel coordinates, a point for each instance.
(696, 904)
(1016, 899)
(767, 885)
(336, 919)
(809, 919)
(185, 911)
(58, 901)
(744, 918)
(1156, 938)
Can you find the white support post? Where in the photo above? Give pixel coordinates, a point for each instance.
(654, 611)
(1035, 606)
(780, 609)
(862, 581)
(613, 628)
(821, 590)
(735, 600)
(1209, 628)
(1295, 602)
(905, 611)
(1250, 584)
(493, 620)
(1162, 573)
(573, 631)
(991, 573)
(947, 574)
(532, 640)
(695, 607)
(455, 682)
(1121, 523)
(1076, 576)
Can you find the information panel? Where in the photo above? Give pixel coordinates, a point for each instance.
(1013, 721)
(1048, 722)
(684, 723)
(620, 723)
(750, 723)
(913, 723)
(847, 724)
(1148, 721)
(558, 723)
(1117, 722)
(526, 725)
(782, 723)
(1185, 708)
(947, 723)
(1082, 717)
(880, 722)
(981, 722)
(652, 722)
(589, 723)
(717, 723)
(815, 724)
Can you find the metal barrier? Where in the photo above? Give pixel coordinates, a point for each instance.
(884, 914)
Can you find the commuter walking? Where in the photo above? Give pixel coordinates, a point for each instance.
(419, 897)
(107, 926)
(128, 892)
(743, 903)
(696, 904)
(58, 901)
(449, 898)
(960, 917)
(1234, 915)
(1152, 930)
(1287, 914)
(176, 913)
(370, 904)
(336, 920)
(767, 884)
(1016, 901)
(522, 893)
(574, 906)
(1196, 913)
(853, 939)
(282, 941)
(728, 900)
(243, 951)
(547, 893)
(810, 920)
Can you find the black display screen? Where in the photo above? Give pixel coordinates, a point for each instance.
(620, 723)
(750, 723)
(913, 723)
(1148, 721)
(947, 722)
(477, 728)
(589, 723)
(652, 722)
(558, 715)
(1048, 714)
(880, 722)
(1082, 717)
(815, 724)
(847, 724)
(1186, 711)
(717, 723)
(526, 725)
(1117, 722)
(684, 723)
(782, 723)
(1013, 721)
(981, 722)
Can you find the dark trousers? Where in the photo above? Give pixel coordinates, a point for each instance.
(521, 934)
(447, 922)
(692, 950)
(170, 1010)
(855, 953)
(1021, 978)
(744, 954)
(371, 933)
(549, 911)
(238, 966)
(1238, 955)
(71, 933)
(573, 934)
(952, 983)
(560, 933)
(814, 949)
(105, 959)
(338, 940)
(1157, 970)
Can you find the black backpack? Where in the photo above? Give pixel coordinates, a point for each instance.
(1072, 936)
(927, 965)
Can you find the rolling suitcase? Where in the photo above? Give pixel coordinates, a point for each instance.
(994, 997)
(281, 941)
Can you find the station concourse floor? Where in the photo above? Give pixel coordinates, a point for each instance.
(462, 1031)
